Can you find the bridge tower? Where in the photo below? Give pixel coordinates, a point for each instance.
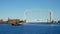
(25, 16)
(51, 16)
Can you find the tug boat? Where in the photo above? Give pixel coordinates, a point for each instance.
(16, 21)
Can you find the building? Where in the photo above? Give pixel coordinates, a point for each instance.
(58, 21)
(1, 21)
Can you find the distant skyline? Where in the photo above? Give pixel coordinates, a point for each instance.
(16, 8)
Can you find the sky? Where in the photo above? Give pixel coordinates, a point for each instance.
(16, 8)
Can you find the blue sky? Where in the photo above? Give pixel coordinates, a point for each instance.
(16, 8)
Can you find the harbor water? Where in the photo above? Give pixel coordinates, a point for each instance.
(30, 29)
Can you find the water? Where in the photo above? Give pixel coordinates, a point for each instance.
(30, 29)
